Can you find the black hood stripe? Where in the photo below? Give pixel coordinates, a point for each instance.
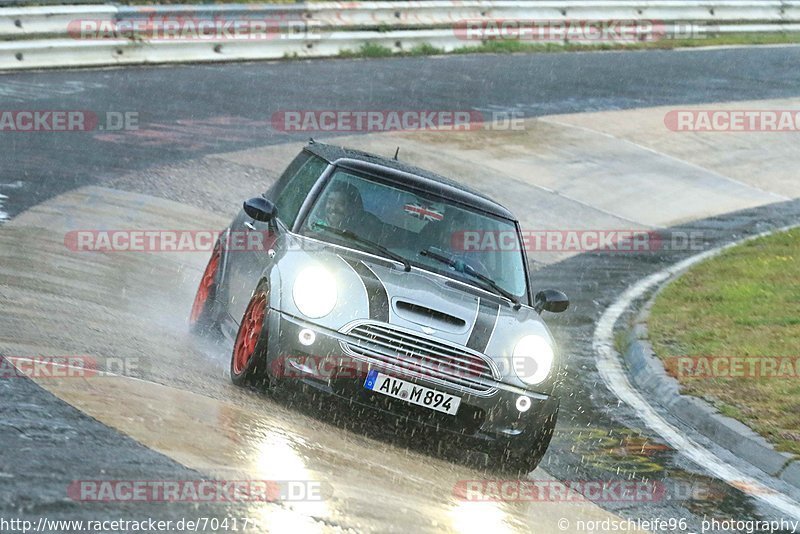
(377, 296)
(484, 325)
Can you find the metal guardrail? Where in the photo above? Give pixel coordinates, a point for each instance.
(17, 3)
(86, 35)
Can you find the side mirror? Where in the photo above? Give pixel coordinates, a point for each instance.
(550, 300)
(260, 209)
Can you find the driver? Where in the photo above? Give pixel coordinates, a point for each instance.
(343, 209)
(342, 205)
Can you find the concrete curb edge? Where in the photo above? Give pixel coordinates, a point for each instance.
(647, 373)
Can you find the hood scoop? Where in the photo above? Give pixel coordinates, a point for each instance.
(422, 315)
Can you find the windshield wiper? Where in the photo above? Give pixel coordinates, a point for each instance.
(463, 267)
(366, 242)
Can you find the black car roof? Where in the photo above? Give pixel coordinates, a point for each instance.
(408, 175)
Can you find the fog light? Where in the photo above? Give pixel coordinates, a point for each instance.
(307, 337)
(523, 403)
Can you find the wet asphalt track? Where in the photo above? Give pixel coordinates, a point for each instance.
(46, 444)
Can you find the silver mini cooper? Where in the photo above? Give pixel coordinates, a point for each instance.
(395, 289)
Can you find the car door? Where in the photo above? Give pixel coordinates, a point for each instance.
(251, 239)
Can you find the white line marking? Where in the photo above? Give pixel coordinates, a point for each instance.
(613, 374)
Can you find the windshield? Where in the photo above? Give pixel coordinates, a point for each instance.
(407, 222)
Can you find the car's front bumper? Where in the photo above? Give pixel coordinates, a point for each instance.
(324, 366)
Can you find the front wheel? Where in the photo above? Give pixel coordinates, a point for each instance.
(525, 461)
(248, 361)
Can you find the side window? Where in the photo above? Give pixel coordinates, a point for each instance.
(294, 185)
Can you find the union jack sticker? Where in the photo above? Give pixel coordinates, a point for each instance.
(423, 211)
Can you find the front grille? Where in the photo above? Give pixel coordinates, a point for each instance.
(423, 357)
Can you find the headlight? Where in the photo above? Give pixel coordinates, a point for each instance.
(533, 359)
(314, 292)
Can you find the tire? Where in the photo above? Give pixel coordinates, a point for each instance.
(248, 359)
(523, 462)
(203, 319)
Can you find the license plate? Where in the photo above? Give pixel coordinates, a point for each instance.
(410, 392)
